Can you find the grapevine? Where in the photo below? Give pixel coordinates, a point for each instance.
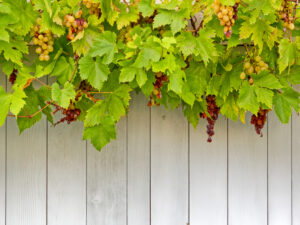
(85, 59)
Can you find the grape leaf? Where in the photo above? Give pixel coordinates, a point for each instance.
(247, 98)
(145, 8)
(265, 96)
(267, 80)
(94, 71)
(230, 108)
(105, 46)
(287, 54)
(5, 100)
(63, 96)
(101, 134)
(95, 114)
(17, 100)
(63, 69)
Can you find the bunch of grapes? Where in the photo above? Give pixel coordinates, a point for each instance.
(75, 24)
(213, 111)
(13, 76)
(71, 114)
(94, 8)
(159, 82)
(125, 35)
(287, 14)
(227, 15)
(253, 65)
(259, 120)
(43, 40)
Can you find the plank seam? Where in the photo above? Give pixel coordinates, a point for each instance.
(268, 173)
(150, 169)
(86, 183)
(292, 202)
(47, 167)
(227, 162)
(5, 200)
(189, 177)
(126, 157)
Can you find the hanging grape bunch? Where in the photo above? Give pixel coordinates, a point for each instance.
(159, 82)
(227, 15)
(287, 14)
(75, 24)
(70, 114)
(13, 76)
(213, 111)
(94, 8)
(259, 120)
(43, 40)
(253, 65)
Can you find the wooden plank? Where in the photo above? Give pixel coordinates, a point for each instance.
(247, 183)
(208, 175)
(169, 167)
(66, 175)
(106, 181)
(296, 167)
(279, 171)
(26, 174)
(2, 161)
(139, 162)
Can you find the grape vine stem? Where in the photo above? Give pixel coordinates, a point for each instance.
(75, 68)
(34, 114)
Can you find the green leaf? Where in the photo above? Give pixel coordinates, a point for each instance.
(63, 69)
(127, 74)
(267, 80)
(95, 114)
(265, 96)
(176, 81)
(94, 71)
(63, 96)
(17, 100)
(282, 108)
(5, 100)
(145, 8)
(105, 46)
(287, 54)
(247, 98)
(230, 108)
(31, 107)
(101, 134)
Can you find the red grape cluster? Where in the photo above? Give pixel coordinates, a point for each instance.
(13, 76)
(287, 14)
(259, 120)
(227, 15)
(159, 82)
(71, 114)
(75, 24)
(94, 8)
(43, 40)
(213, 111)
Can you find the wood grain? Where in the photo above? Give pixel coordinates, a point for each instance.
(66, 175)
(169, 167)
(139, 162)
(208, 172)
(106, 181)
(296, 167)
(279, 163)
(2, 161)
(26, 174)
(247, 193)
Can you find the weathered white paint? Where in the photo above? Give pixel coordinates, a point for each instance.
(66, 175)
(169, 167)
(26, 174)
(247, 175)
(296, 168)
(139, 162)
(2, 161)
(106, 182)
(279, 171)
(157, 165)
(208, 175)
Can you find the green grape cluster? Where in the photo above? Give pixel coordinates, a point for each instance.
(43, 41)
(75, 24)
(227, 15)
(93, 7)
(253, 65)
(286, 14)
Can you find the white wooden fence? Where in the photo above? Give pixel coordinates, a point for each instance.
(159, 171)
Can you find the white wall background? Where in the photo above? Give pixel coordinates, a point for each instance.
(159, 171)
